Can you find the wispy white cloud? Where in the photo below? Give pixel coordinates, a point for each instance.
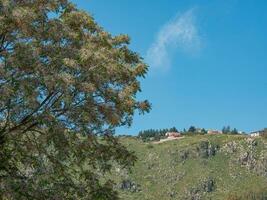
(179, 33)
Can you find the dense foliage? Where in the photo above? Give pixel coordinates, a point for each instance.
(64, 81)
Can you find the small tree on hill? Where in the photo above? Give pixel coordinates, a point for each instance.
(226, 129)
(192, 129)
(173, 129)
(203, 131)
(234, 131)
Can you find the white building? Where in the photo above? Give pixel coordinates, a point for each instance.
(255, 133)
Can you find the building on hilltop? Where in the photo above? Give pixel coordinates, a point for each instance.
(173, 134)
(256, 133)
(214, 132)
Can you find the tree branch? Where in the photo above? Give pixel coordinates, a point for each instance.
(26, 119)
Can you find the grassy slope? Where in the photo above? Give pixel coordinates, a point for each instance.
(163, 175)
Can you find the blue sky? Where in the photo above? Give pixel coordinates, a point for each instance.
(208, 59)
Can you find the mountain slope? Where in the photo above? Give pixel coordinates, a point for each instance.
(196, 167)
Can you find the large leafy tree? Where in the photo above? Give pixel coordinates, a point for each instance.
(65, 84)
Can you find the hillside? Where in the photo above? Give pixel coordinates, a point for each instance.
(196, 167)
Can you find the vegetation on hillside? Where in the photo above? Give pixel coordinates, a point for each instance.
(199, 167)
(155, 134)
(228, 130)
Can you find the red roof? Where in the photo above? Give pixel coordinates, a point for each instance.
(173, 134)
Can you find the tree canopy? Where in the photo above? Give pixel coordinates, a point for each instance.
(192, 129)
(65, 84)
(228, 130)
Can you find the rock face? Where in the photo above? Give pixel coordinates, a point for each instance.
(196, 193)
(208, 185)
(249, 153)
(206, 149)
(248, 160)
(230, 147)
(252, 159)
(251, 142)
(129, 185)
(193, 194)
(184, 154)
(262, 165)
